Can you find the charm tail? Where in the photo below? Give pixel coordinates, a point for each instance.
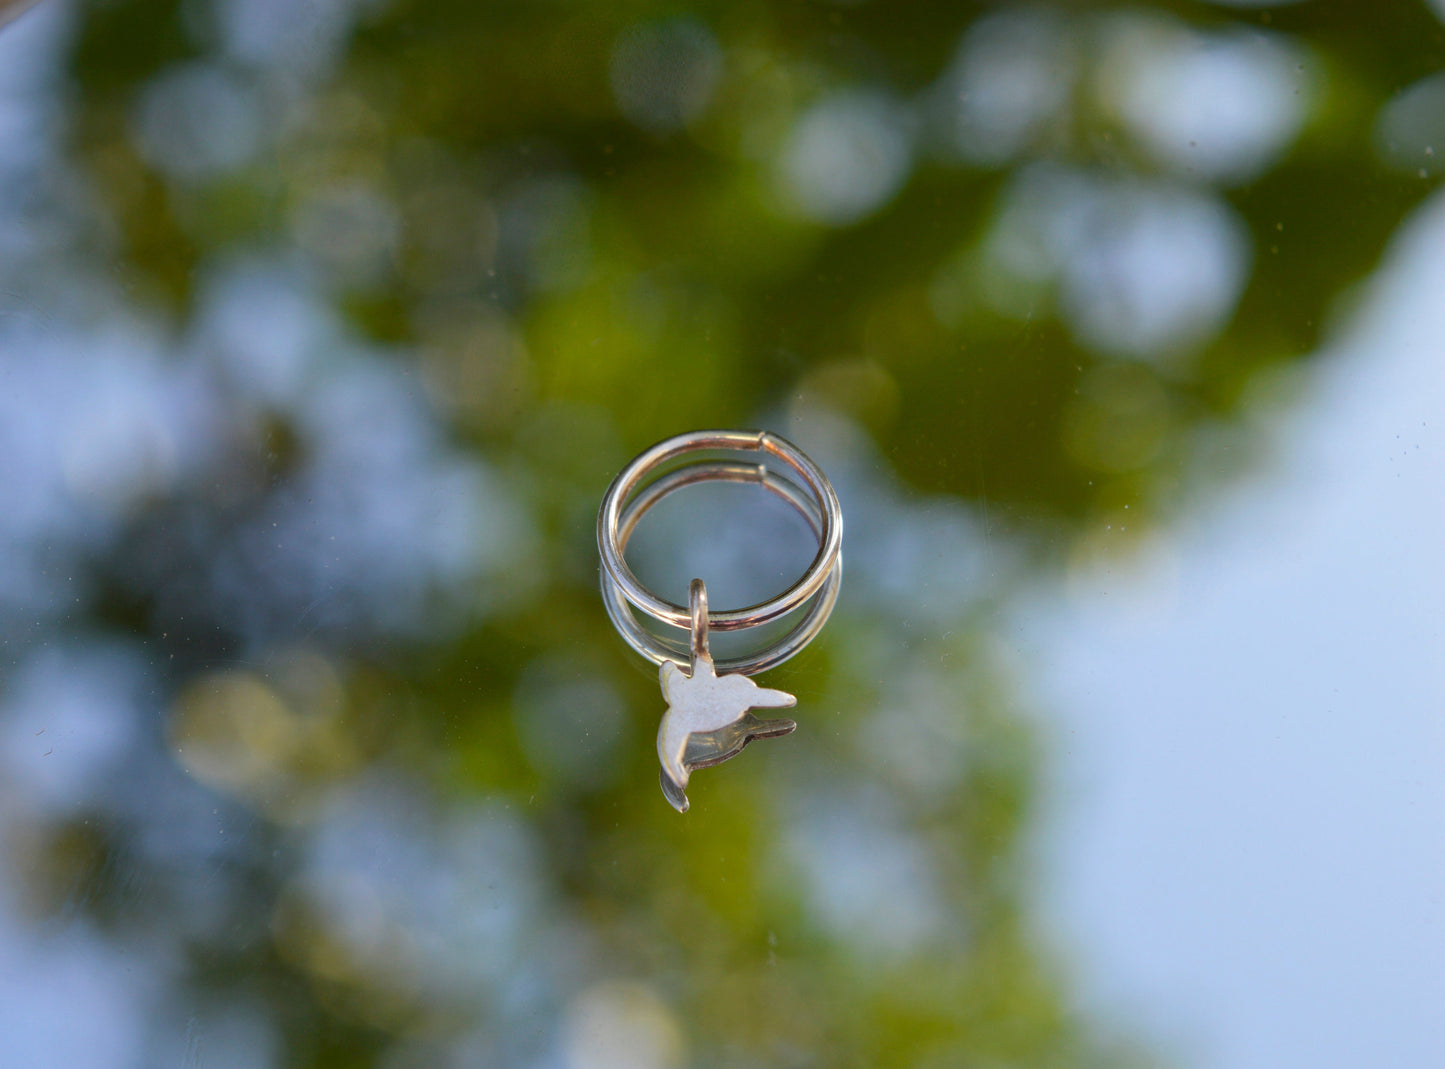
(671, 747)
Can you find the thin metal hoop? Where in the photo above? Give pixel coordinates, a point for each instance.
(657, 649)
(830, 538)
(618, 518)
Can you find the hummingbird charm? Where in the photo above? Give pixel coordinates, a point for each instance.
(709, 717)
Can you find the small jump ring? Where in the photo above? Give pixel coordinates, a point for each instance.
(631, 496)
(697, 603)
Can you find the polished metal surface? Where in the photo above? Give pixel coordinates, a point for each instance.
(709, 716)
(631, 495)
(633, 476)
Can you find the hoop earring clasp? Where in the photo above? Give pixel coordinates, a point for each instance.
(709, 716)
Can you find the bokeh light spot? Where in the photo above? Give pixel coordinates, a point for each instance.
(619, 1024)
(663, 73)
(846, 156)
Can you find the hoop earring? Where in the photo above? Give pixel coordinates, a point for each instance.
(709, 715)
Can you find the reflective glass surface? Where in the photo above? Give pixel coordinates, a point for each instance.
(1120, 331)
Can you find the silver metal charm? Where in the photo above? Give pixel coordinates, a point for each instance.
(709, 718)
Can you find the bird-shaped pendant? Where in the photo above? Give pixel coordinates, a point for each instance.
(709, 717)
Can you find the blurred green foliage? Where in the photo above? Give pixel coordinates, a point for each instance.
(703, 301)
(660, 285)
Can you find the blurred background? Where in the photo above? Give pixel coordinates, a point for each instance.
(1120, 329)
